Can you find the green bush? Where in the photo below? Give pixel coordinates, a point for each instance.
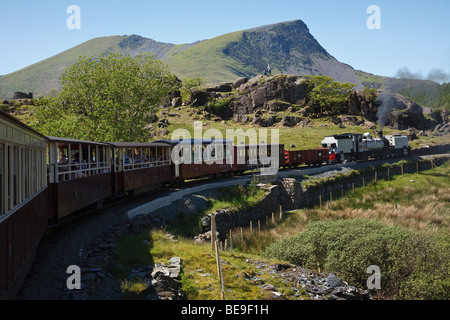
(218, 106)
(413, 265)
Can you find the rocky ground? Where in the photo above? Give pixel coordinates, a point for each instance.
(316, 285)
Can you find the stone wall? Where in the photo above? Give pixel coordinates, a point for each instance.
(227, 219)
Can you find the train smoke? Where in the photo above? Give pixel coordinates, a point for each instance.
(385, 105)
(436, 75)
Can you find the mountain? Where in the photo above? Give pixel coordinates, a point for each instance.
(288, 47)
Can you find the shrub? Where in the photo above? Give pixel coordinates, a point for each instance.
(413, 265)
(218, 106)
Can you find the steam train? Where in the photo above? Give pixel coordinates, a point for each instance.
(45, 180)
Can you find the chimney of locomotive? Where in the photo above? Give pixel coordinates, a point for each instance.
(380, 133)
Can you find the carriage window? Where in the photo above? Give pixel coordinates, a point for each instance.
(15, 172)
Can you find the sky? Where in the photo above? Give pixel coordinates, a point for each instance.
(413, 37)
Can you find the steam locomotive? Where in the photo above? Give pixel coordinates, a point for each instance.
(356, 146)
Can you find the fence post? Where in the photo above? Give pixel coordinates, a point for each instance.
(402, 169)
(364, 183)
(213, 232)
(281, 213)
(320, 201)
(231, 240)
(219, 271)
(375, 176)
(251, 227)
(259, 226)
(331, 195)
(417, 167)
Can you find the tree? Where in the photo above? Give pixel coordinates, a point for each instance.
(328, 95)
(110, 98)
(190, 85)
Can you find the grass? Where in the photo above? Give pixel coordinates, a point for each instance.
(199, 272)
(187, 224)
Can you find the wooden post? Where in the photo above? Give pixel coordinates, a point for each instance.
(281, 213)
(213, 232)
(219, 271)
(231, 240)
(375, 176)
(320, 201)
(225, 247)
(364, 183)
(259, 226)
(251, 227)
(273, 218)
(417, 167)
(331, 195)
(353, 186)
(402, 169)
(267, 221)
(242, 235)
(432, 164)
(342, 192)
(216, 244)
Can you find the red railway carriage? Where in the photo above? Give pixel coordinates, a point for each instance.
(79, 175)
(308, 157)
(23, 201)
(195, 158)
(256, 156)
(141, 167)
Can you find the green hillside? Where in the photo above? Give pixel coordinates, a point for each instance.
(288, 47)
(45, 76)
(425, 92)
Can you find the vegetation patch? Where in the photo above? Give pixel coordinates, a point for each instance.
(409, 261)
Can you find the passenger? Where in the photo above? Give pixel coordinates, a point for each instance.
(137, 156)
(62, 165)
(128, 157)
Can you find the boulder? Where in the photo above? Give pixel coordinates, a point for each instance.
(290, 121)
(176, 102)
(239, 82)
(221, 87)
(22, 95)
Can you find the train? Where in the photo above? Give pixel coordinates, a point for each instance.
(46, 180)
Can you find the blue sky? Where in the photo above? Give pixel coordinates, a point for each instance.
(414, 34)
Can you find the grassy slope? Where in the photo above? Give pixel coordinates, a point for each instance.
(41, 77)
(205, 59)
